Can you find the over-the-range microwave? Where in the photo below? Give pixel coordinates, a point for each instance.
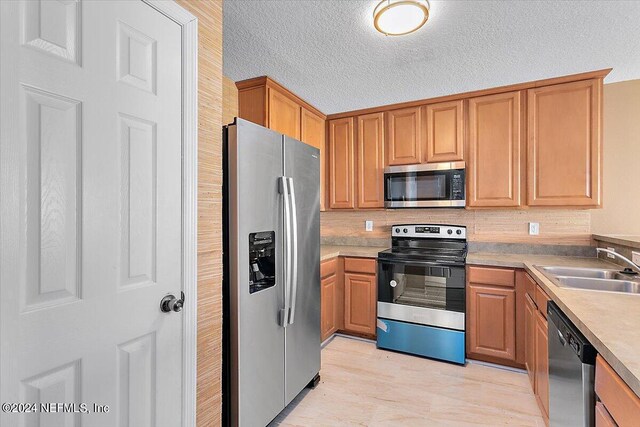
(435, 185)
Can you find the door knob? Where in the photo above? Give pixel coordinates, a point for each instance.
(170, 303)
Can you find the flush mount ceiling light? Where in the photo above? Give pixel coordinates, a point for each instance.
(399, 17)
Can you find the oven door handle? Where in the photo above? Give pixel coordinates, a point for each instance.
(419, 263)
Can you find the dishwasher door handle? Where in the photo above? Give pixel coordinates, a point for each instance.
(561, 338)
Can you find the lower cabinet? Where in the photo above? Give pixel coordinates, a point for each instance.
(542, 365)
(617, 404)
(506, 324)
(360, 303)
(491, 314)
(328, 314)
(348, 296)
(530, 311)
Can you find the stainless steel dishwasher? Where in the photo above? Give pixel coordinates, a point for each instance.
(571, 373)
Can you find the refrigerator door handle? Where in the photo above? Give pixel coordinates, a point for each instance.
(294, 260)
(285, 190)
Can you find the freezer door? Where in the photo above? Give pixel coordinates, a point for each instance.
(302, 359)
(256, 275)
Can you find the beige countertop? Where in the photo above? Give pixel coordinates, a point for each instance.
(610, 321)
(632, 240)
(332, 251)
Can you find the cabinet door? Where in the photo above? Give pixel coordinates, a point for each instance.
(370, 161)
(492, 321)
(328, 307)
(603, 418)
(530, 339)
(405, 136)
(494, 157)
(341, 173)
(564, 144)
(360, 303)
(444, 125)
(313, 133)
(284, 114)
(542, 364)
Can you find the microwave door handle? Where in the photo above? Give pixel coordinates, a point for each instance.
(284, 189)
(294, 258)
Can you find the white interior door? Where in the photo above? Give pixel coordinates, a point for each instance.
(91, 205)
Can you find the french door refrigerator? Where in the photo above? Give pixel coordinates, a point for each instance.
(271, 338)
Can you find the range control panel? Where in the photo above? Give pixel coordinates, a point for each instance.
(429, 231)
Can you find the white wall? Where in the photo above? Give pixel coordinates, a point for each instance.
(621, 211)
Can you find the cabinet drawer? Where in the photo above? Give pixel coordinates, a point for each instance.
(492, 276)
(621, 402)
(541, 301)
(360, 265)
(603, 418)
(530, 286)
(329, 267)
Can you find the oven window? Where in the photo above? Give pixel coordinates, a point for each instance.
(422, 286)
(415, 186)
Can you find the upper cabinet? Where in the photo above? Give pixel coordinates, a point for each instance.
(370, 152)
(494, 157)
(341, 162)
(565, 144)
(313, 133)
(404, 143)
(267, 103)
(444, 130)
(284, 114)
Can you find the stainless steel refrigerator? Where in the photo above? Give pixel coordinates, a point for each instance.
(272, 272)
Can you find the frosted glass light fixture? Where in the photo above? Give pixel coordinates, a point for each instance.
(399, 17)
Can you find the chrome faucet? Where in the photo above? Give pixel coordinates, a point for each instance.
(633, 265)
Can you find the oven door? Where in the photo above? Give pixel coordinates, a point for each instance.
(431, 185)
(422, 292)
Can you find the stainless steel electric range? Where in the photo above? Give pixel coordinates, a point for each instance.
(421, 291)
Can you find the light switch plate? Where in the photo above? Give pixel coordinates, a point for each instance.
(368, 225)
(611, 256)
(534, 228)
(635, 257)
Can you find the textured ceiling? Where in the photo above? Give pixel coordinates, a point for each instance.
(328, 52)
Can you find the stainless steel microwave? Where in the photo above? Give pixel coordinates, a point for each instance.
(435, 185)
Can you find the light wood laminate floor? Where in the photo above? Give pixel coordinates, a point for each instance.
(361, 385)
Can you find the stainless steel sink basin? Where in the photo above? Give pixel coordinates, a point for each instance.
(593, 279)
(595, 273)
(609, 285)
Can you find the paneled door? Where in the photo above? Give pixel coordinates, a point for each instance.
(495, 150)
(405, 136)
(341, 162)
(92, 199)
(284, 114)
(444, 125)
(370, 148)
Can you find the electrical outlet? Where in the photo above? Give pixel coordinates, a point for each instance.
(368, 225)
(635, 257)
(534, 228)
(611, 256)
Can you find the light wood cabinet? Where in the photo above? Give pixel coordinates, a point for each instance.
(284, 114)
(530, 339)
(370, 150)
(312, 132)
(267, 103)
(542, 364)
(565, 144)
(360, 303)
(405, 136)
(444, 130)
(495, 157)
(328, 313)
(492, 329)
(603, 417)
(341, 162)
(619, 401)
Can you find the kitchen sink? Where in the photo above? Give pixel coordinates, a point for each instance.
(595, 273)
(591, 284)
(593, 279)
